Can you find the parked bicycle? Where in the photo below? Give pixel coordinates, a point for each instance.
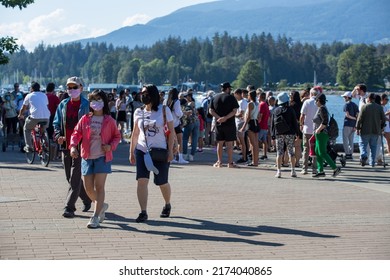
(40, 144)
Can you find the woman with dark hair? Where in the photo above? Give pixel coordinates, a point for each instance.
(296, 104)
(120, 106)
(191, 127)
(251, 120)
(173, 103)
(321, 120)
(153, 131)
(99, 136)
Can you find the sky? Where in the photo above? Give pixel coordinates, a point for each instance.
(52, 22)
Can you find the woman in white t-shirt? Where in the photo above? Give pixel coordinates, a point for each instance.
(153, 128)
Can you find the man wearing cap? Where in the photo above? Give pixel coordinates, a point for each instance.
(37, 103)
(369, 125)
(68, 113)
(351, 112)
(224, 108)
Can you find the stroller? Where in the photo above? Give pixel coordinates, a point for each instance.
(333, 154)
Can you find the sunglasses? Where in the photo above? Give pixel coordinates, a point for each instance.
(74, 87)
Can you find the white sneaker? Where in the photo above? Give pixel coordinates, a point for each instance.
(304, 172)
(293, 174)
(278, 174)
(183, 161)
(102, 214)
(93, 222)
(174, 161)
(191, 158)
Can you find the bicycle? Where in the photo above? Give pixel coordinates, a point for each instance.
(40, 144)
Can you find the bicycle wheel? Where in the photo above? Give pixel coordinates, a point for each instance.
(45, 150)
(30, 156)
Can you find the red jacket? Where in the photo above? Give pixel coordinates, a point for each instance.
(82, 131)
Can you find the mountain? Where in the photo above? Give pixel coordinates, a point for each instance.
(353, 21)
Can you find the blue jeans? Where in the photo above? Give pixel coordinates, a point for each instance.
(368, 139)
(192, 129)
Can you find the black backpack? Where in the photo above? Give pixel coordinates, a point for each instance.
(333, 128)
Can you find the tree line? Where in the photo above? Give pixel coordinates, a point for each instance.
(260, 59)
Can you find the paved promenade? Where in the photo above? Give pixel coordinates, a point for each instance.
(243, 213)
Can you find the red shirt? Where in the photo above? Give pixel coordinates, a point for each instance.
(264, 111)
(72, 117)
(53, 103)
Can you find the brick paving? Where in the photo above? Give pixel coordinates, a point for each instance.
(243, 213)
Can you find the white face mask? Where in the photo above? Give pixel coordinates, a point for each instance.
(96, 105)
(74, 93)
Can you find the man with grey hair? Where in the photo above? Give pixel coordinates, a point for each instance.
(308, 111)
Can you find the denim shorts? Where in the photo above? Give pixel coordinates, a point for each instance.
(93, 166)
(263, 133)
(142, 172)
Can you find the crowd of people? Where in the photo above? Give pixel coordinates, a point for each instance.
(175, 130)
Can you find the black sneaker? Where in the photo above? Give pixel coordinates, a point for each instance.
(241, 160)
(166, 211)
(363, 161)
(68, 213)
(142, 217)
(86, 207)
(336, 171)
(319, 174)
(263, 157)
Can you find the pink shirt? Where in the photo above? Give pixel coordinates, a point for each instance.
(110, 135)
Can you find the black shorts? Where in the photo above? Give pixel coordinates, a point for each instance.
(225, 132)
(143, 172)
(178, 129)
(121, 117)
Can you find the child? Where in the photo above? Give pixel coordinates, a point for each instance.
(202, 120)
(100, 136)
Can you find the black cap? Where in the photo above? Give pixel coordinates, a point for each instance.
(321, 97)
(225, 85)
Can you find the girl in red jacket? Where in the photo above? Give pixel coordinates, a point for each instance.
(100, 136)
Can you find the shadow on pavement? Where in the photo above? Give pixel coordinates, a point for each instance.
(206, 225)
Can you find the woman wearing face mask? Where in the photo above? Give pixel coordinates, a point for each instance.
(100, 136)
(152, 130)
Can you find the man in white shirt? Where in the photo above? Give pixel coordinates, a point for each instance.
(37, 103)
(240, 120)
(308, 111)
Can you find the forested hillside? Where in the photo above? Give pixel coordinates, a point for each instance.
(211, 60)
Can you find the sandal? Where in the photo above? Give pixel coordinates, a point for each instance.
(232, 165)
(217, 164)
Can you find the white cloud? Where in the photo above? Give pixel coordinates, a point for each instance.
(136, 19)
(51, 29)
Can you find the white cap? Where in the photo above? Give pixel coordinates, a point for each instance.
(347, 94)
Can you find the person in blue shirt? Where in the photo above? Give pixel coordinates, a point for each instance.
(351, 112)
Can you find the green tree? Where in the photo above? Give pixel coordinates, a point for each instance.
(250, 74)
(359, 64)
(8, 44)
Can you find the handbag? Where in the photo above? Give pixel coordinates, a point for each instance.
(157, 154)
